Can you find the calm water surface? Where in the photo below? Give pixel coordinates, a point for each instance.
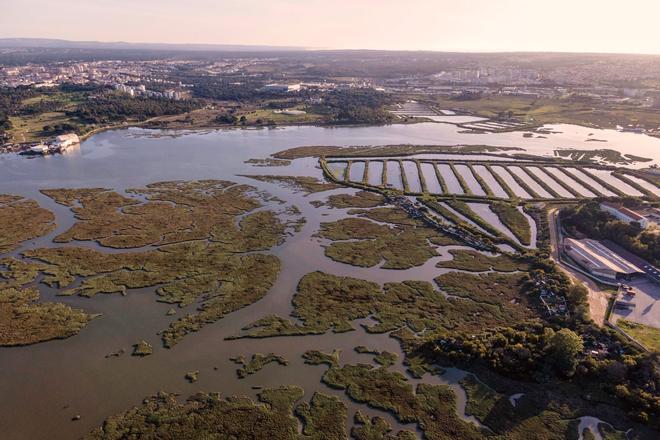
(54, 381)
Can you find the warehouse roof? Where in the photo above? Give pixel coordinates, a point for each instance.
(597, 257)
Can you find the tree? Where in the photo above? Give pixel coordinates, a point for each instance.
(563, 349)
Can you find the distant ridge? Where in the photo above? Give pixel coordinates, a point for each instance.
(48, 43)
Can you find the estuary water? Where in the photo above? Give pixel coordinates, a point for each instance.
(44, 385)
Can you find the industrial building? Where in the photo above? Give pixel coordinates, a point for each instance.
(282, 88)
(599, 261)
(624, 214)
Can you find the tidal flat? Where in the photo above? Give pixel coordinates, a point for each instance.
(135, 232)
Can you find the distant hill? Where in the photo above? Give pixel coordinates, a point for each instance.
(7, 43)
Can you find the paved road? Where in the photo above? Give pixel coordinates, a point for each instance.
(651, 271)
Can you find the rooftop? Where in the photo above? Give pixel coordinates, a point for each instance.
(598, 257)
(626, 211)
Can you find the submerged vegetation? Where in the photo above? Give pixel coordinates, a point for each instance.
(256, 363)
(305, 184)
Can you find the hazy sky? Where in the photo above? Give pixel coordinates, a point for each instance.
(472, 25)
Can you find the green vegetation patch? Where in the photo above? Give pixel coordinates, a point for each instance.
(431, 407)
(609, 433)
(328, 302)
(646, 335)
(186, 273)
(360, 242)
(474, 261)
(384, 358)
(268, 162)
(142, 348)
(513, 219)
(174, 212)
(22, 219)
(505, 292)
(481, 399)
(362, 199)
(376, 429)
(324, 418)
(208, 247)
(256, 363)
(23, 319)
(208, 416)
(192, 376)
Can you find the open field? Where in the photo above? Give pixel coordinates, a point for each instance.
(556, 111)
(648, 336)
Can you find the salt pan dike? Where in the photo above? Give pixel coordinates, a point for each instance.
(473, 179)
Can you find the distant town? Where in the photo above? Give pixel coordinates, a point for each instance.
(52, 93)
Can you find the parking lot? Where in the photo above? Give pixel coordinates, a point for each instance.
(646, 309)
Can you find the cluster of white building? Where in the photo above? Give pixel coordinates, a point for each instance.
(59, 144)
(141, 90)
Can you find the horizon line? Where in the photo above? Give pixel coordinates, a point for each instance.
(318, 49)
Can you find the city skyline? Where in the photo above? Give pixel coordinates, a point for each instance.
(471, 26)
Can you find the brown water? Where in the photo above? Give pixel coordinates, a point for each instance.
(44, 385)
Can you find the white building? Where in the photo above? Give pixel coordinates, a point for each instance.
(285, 88)
(64, 141)
(624, 214)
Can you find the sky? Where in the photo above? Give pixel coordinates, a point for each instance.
(458, 25)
